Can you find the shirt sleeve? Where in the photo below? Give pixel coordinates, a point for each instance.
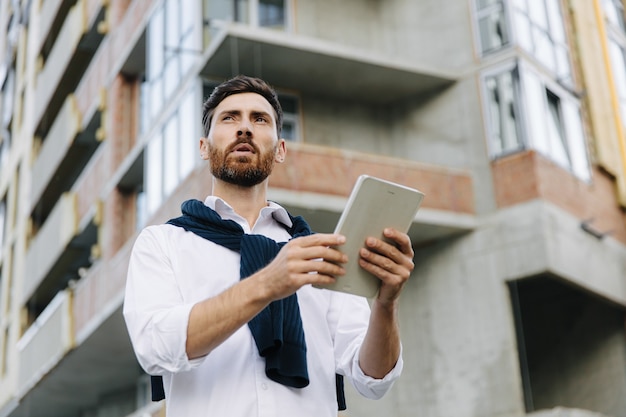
(155, 313)
(351, 315)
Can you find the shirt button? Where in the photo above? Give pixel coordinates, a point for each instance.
(264, 386)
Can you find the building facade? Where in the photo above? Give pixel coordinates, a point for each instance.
(509, 115)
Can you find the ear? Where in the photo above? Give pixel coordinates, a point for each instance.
(204, 148)
(281, 151)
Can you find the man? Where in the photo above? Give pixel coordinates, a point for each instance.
(194, 283)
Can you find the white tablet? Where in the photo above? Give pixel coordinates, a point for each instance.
(373, 205)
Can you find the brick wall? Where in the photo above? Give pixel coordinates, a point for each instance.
(333, 171)
(528, 175)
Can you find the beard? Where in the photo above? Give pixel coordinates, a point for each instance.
(245, 170)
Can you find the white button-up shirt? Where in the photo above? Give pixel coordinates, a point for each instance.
(171, 270)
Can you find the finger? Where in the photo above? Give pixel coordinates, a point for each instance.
(317, 253)
(382, 263)
(402, 240)
(320, 239)
(317, 267)
(388, 250)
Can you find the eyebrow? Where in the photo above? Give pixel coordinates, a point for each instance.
(254, 113)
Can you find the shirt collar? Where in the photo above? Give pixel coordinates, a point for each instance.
(226, 211)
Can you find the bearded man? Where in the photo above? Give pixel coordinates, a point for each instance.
(219, 301)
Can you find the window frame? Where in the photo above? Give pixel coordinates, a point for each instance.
(533, 121)
(163, 172)
(482, 13)
(563, 75)
(494, 150)
(246, 12)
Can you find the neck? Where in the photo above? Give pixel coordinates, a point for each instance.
(246, 201)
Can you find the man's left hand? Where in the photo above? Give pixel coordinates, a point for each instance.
(391, 262)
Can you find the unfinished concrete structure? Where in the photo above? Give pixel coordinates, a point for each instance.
(508, 114)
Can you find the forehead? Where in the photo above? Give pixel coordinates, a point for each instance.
(248, 102)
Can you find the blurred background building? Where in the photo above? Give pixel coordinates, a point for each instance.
(508, 114)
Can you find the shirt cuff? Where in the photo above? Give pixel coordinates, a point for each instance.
(374, 388)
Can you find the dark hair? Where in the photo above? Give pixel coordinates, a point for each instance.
(237, 85)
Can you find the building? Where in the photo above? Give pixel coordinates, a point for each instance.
(508, 114)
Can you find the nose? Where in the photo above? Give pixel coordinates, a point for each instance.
(244, 130)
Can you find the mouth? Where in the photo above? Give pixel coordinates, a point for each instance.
(243, 148)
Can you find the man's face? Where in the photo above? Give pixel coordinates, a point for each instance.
(243, 145)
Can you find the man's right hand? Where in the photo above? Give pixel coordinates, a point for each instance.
(312, 259)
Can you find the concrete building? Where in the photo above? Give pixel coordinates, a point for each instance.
(508, 114)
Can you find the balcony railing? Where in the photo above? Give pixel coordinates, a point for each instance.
(56, 64)
(55, 147)
(46, 342)
(79, 37)
(50, 242)
(47, 15)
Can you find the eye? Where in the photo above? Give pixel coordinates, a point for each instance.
(261, 119)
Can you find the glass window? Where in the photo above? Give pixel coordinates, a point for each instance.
(154, 174)
(156, 48)
(543, 118)
(539, 28)
(272, 13)
(291, 115)
(172, 154)
(555, 130)
(492, 26)
(189, 133)
(503, 112)
(172, 48)
(264, 13)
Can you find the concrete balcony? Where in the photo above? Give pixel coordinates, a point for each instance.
(89, 369)
(45, 343)
(315, 182)
(50, 243)
(48, 14)
(315, 66)
(66, 151)
(73, 48)
(56, 147)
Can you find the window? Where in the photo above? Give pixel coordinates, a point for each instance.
(546, 117)
(272, 13)
(540, 30)
(503, 112)
(172, 153)
(291, 116)
(173, 44)
(263, 13)
(492, 26)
